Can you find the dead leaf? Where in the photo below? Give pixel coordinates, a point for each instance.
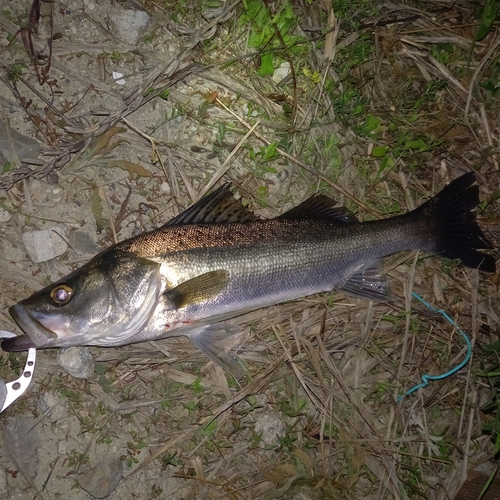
(131, 168)
(211, 96)
(103, 140)
(304, 458)
(97, 208)
(274, 476)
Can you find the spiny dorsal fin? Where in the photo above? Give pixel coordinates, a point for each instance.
(216, 208)
(369, 283)
(319, 207)
(199, 289)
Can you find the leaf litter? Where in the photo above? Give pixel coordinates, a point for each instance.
(384, 104)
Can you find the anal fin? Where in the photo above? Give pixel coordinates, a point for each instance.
(370, 283)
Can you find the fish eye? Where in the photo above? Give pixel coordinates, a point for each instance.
(61, 294)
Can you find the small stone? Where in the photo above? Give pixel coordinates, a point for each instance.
(89, 4)
(63, 447)
(13, 143)
(278, 179)
(165, 187)
(77, 361)
(272, 429)
(52, 405)
(5, 216)
(52, 179)
(129, 24)
(281, 72)
(44, 245)
(103, 479)
(82, 243)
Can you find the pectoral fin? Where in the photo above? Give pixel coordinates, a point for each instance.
(198, 289)
(369, 283)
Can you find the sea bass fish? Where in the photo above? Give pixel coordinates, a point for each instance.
(217, 260)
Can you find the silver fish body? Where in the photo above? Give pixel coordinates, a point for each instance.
(266, 262)
(216, 261)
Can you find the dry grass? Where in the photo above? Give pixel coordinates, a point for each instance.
(329, 368)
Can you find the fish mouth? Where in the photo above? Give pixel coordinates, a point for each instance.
(35, 334)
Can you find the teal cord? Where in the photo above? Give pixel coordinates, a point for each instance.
(428, 378)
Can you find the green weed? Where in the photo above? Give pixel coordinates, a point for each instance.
(15, 71)
(263, 27)
(169, 459)
(491, 362)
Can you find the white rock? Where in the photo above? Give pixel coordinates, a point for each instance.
(129, 24)
(89, 4)
(77, 361)
(5, 216)
(62, 447)
(118, 78)
(45, 244)
(165, 187)
(282, 71)
(272, 429)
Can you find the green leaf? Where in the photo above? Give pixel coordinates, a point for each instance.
(15, 71)
(266, 65)
(269, 152)
(99, 369)
(358, 109)
(165, 404)
(164, 94)
(196, 386)
(497, 444)
(210, 428)
(372, 122)
(487, 19)
(8, 166)
(418, 144)
(379, 151)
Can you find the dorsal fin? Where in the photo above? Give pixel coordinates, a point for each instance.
(216, 208)
(319, 207)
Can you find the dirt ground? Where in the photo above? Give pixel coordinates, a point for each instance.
(138, 110)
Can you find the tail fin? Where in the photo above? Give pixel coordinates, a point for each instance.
(455, 231)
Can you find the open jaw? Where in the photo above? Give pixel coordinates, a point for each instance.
(36, 334)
